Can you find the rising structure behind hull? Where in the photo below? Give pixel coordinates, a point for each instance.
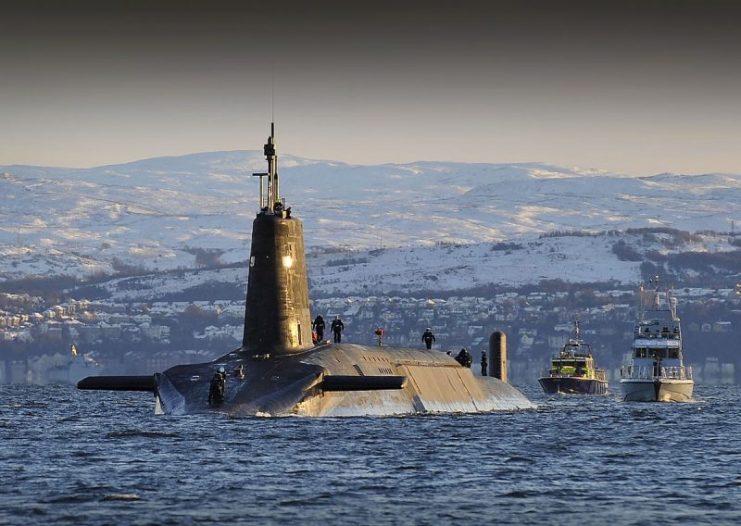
(571, 385)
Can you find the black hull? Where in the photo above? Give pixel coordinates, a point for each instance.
(566, 385)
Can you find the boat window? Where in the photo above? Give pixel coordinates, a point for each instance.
(663, 353)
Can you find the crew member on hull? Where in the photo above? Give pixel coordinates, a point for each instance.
(464, 358)
(318, 326)
(428, 338)
(217, 387)
(379, 336)
(484, 364)
(337, 328)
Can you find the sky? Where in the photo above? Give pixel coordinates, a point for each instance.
(637, 87)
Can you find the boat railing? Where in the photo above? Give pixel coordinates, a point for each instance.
(649, 372)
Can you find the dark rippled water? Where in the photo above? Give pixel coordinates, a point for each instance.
(69, 457)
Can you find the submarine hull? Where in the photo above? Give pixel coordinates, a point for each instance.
(419, 381)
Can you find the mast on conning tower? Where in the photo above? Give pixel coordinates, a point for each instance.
(270, 195)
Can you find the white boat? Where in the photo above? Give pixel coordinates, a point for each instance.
(656, 372)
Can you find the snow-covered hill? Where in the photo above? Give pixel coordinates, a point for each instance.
(177, 212)
(610, 257)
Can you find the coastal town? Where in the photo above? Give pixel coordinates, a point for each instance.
(61, 342)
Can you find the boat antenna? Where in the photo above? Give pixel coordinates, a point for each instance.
(576, 329)
(657, 293)
(671, 302)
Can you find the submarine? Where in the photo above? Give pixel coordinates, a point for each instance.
(280, 371)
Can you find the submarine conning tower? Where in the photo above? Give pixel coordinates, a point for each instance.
(277, 318)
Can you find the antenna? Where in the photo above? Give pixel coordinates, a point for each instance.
(272, 91)
(270, 195)
(276, 186)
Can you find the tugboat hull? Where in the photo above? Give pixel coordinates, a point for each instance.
(565, 385)
(659, 390)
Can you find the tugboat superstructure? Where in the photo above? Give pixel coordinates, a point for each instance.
(573, 370)
(656, 372)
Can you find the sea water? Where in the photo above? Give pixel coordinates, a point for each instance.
(71, 457)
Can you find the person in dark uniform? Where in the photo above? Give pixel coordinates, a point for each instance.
(379, 336)
(464, 358)
(428, 338)
(318, 326)
(484, 364)
(337, 328)
(216, 388)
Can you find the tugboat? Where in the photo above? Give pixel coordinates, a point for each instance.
(573, 370)
(656, 372)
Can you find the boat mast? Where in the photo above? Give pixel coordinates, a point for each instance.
(657, 294)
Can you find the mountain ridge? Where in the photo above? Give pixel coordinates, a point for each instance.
(158, 213)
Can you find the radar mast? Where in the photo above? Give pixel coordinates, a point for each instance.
(270, 201)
